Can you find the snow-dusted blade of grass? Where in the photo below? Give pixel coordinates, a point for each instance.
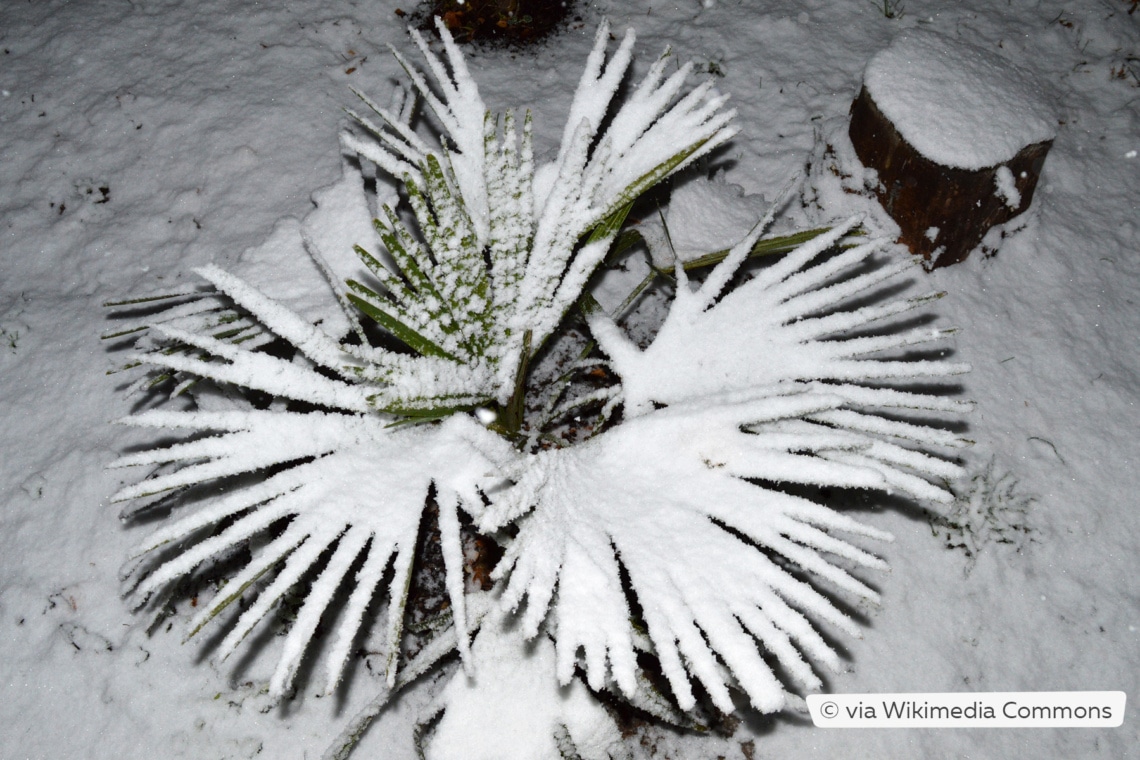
(862, 397)
(364, 587)
(855, 347)
(562, 221)
(199, 304)
(510, 186)
(882, 426)
(836, 323)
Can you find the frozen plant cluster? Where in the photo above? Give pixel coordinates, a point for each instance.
(988, 508)
(667, 558)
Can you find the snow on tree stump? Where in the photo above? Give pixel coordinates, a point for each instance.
(958, 138)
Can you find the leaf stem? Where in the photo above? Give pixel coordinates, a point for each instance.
(767, 247)
(512, 416)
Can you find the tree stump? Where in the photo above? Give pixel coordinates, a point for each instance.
(958, 139)
(507, 21)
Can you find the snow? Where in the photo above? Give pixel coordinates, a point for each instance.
(520, 686)
(704, 215)
(212, 129)
(1006, 189)
(958, 104)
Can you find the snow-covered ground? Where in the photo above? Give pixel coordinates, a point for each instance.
(141, 139)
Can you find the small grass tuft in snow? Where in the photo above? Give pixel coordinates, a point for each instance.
(988, 508)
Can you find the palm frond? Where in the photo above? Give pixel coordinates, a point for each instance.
(346, 483)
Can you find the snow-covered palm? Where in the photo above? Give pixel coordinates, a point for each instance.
(741, 391)
(498, 254)
(543, 231)
(685, 498)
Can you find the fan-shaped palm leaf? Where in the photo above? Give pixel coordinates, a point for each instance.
(350, 486)
(754, 394)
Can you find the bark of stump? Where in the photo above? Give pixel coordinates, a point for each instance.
(920, 194)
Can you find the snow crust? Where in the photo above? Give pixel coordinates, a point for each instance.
(958, 104)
